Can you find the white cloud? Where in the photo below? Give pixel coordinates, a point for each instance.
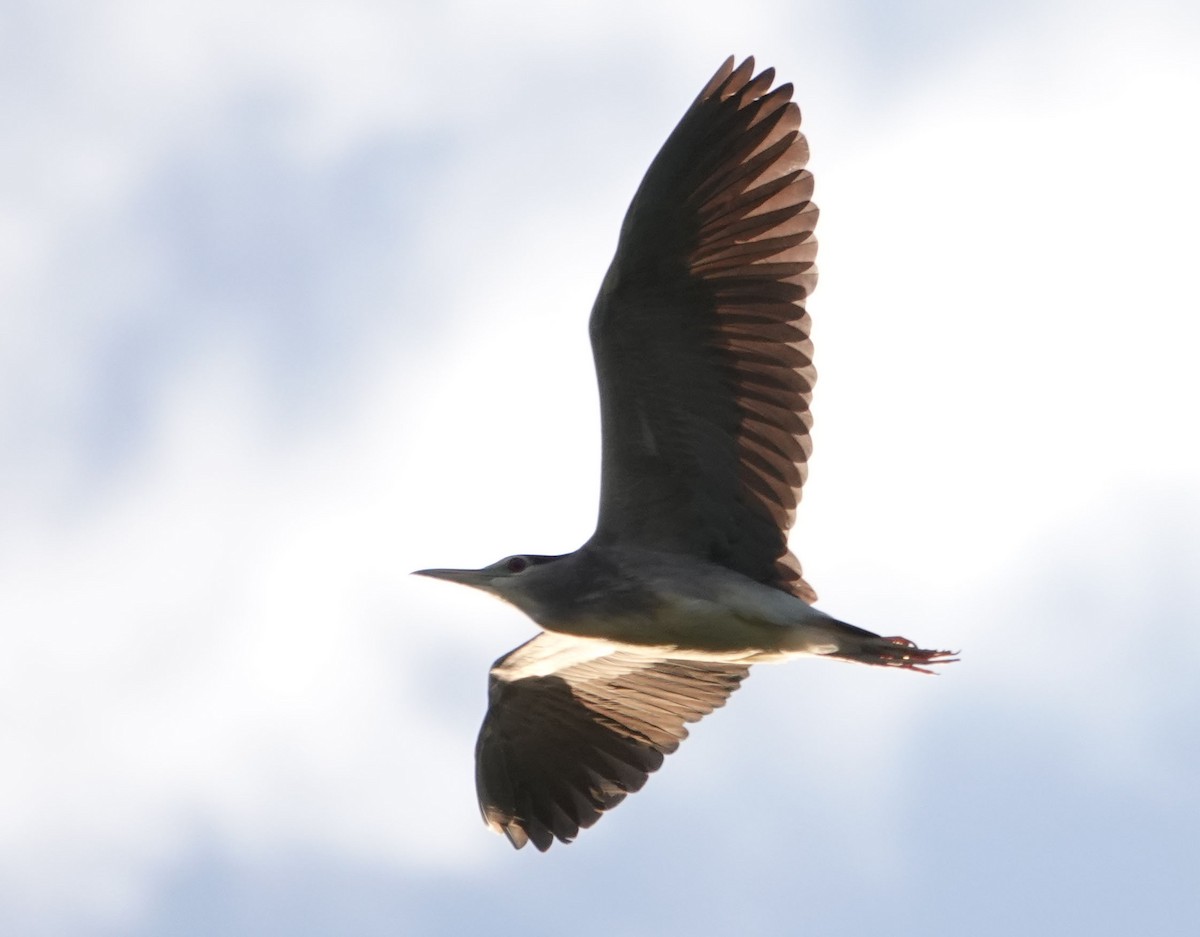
(215, 637)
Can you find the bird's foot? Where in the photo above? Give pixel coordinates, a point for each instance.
(901, 652)
(893, 652)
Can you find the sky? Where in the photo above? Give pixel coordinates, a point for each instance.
(293, 301)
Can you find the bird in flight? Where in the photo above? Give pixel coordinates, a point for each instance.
(702, 350)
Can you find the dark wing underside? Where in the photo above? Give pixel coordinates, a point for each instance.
(573, 726)
(702, 342)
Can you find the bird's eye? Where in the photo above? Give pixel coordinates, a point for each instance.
(517, 564)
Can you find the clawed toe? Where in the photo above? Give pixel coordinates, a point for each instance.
(904, 653)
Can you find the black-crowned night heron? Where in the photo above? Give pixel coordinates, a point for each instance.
(705, 367)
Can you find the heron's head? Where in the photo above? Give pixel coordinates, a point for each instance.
(525, 580)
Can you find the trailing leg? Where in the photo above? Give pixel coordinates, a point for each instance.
(865, 647)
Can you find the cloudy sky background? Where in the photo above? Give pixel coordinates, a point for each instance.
(293, 301)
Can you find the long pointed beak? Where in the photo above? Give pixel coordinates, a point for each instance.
(467, 577)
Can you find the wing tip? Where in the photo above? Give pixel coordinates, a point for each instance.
(732, 77)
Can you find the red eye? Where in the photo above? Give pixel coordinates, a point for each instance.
(518, 564)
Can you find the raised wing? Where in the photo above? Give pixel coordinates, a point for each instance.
(574, 725)
(702, 342)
